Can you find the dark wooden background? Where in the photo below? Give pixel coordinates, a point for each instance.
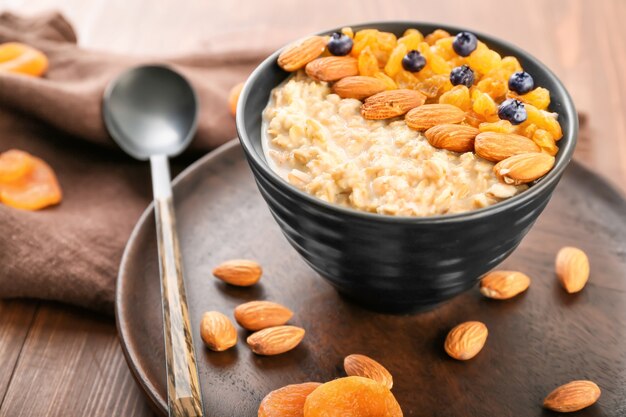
(62, 361)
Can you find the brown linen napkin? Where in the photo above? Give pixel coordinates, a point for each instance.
(71, 252)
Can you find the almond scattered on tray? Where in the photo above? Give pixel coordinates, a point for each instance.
(275, 340)
(572, 268)
(502, 285)
(465, 340)
(573, 396)
(217, 331)
(239, 272)
(258, 315)
(361, 365)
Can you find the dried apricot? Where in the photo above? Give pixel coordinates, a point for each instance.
(233, 98)
(287, 401)
(37, 189)
(14, 164)
(352, 396)
(23, 59)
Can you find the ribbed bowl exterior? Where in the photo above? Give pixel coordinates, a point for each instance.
(399, 264)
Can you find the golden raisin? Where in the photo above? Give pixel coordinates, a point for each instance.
(405, 79)
(483, 61)
(287, 401)
(443, 48)
(352, 396)
(368, 64)
(544, 120)
(458, 96)
(501, 126)
(545, 141)
(539, 97)
(413, 31)
(495, 87)
(394, 64)
(484, 105)
(389, 82)
(436, 35)
(348, 32)
(411, 40)
(434, 86)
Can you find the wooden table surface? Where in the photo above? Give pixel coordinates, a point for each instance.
(57, 360)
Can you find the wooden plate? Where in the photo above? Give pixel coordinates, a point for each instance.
(536, 342)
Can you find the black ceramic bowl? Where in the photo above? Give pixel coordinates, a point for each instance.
(400, 263)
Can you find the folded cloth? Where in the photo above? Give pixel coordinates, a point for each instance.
(71, 252)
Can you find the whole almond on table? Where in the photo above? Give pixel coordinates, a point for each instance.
(275, 340)
(299, 53)
(391, 103)
(465, 340)
(502, 285)
(452, 137)
(239, 272)
(358, 87)
(429, 115)
(258, 315)
(361, 365)
(287, 401)
(495, 147)
(572, 396)
(332, 68)
(572, 268)
(523, 168)
(217, 331)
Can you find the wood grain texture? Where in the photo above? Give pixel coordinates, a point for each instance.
(71, 365)
(537, 341)
(182, 374)
(582, 41)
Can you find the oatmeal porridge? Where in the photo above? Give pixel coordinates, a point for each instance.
(321, 144)
(409, 126)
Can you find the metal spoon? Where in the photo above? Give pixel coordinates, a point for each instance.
(151, 112)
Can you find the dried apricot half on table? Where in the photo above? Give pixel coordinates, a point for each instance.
(14, 164)
(352, 396)
(23, 59)
(30, 184)
(287, 401)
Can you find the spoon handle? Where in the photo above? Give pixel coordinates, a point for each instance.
(183, 388)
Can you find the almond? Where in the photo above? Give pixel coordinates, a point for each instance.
(275, 340)
(217, 331)
(429, 115)
(361, 365)
(299, 53)
(455, 138)
(502, 285)
(358, 87)
(523, 168)
(391, 103)
(332, 68)
(239, 272)
(258, 315)
(466, 340)
(287, 401)
(572, 268)
(572, 396)
(495, 147)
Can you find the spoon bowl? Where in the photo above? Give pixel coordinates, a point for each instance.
(151, 110)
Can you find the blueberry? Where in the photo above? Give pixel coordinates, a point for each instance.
(340, 44)
(521, 82)
(462, 75)
(413, 61)
(464, 43)
(513, 111)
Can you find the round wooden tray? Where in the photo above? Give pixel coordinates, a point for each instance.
(536, 342)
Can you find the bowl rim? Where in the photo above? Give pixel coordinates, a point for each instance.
(562, 160)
